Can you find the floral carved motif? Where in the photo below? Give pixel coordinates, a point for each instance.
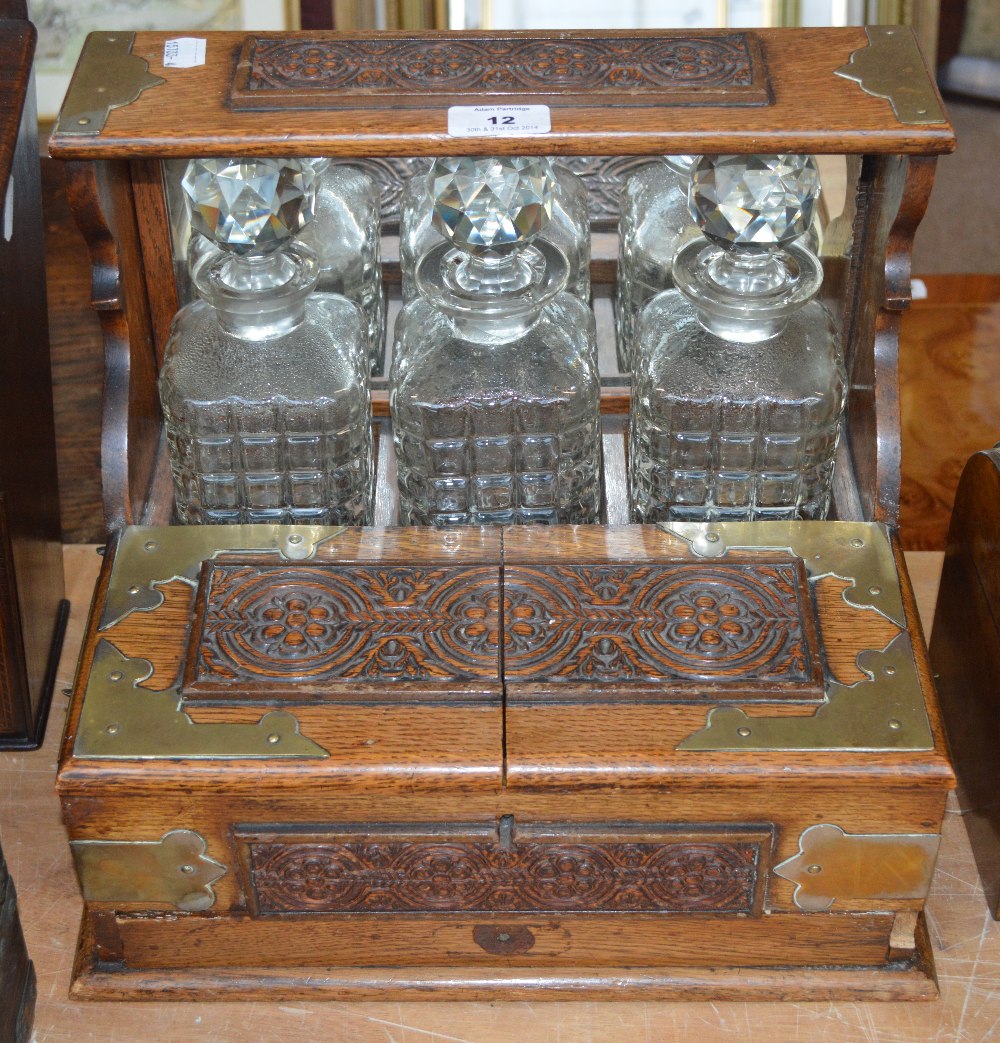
(678, 621)
(483, 876)
(665, 67)
(669, 625)
(315, 623)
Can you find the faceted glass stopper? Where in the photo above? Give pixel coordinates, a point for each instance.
(250, 206)
(491, 204)
(754, 200)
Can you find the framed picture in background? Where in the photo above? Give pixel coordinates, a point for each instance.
(63, 25)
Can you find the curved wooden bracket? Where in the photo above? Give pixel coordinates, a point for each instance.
(892, 196)
(100, 195)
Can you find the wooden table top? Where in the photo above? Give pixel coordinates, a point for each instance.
(966, 943)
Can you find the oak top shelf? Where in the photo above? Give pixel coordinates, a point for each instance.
(610, 93)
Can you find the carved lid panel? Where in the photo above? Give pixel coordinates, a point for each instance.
(567, 651)
(352, 632)
(333, 72)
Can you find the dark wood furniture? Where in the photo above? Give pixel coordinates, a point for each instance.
(32, 609)
(688, 760)
(965, 649)
(17, 974)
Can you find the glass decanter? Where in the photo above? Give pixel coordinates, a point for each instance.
(345, 234)
(494, 390)
(739, 384)
(264, 383)
(568, 227)
(654, 221)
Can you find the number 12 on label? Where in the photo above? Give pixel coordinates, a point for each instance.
(487, 120)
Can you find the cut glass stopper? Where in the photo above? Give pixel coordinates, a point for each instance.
(491, 204)
(754, 200)
(250, 206)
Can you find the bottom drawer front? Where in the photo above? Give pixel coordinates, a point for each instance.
(582, 940)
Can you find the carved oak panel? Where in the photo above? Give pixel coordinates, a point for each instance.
(707, 873)
(337, 71)
(273, 628)
(668, 631)
(691, 629)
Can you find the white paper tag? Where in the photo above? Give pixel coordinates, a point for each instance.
(184, 53)
(486, 120)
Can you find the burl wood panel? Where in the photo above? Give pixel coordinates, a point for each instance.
(327, 71)
(950, 397)
(965, 651)
(694, 873)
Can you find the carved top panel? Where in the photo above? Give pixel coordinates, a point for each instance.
(337, 71)
(276, 628)
(689, 630)
(675, 631)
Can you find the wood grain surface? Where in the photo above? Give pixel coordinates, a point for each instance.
(965, 940)
(966, 657)
(950, 396)
(813, 111)
(31, 549)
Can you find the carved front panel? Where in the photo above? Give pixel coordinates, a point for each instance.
(694, 629)
(332, 71)
(261, 628)
(691, 873)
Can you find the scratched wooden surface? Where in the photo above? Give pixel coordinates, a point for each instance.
(966, 943)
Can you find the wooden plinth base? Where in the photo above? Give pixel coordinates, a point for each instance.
(912, 979)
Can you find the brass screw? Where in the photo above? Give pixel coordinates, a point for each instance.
(112, 729)
(743, 732)
(274, 738)
(814, 869)
(894, 724)
(115, 675)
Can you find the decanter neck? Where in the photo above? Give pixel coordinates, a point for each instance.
(746, 294)
(492, 298)
(491, 274)
(259, 297)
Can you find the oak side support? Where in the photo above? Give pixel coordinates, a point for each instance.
(102, 200)
(893, 192)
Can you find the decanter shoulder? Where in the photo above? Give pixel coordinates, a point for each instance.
(679, 350)
(323, 354)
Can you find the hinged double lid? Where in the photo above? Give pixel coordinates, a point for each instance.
(667, 649)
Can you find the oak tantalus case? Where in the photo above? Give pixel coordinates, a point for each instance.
(385, 762)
